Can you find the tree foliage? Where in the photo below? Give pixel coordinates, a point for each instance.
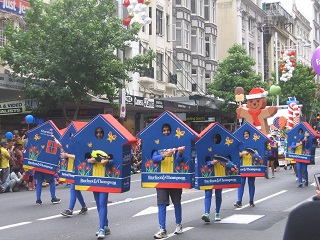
(234, 71)
(69, 48)
(303, 87)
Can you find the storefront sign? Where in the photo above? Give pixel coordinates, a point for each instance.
(148, 103)
(138, 101)
(158, 104)
(14, 6)
(17, 107)
(129, 100)
(8, 82)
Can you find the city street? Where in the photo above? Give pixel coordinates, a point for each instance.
(133, 215)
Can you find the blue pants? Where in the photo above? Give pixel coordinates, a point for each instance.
(162, 213)
(74, 195)
(40, 177)
(251, 181)
(208, 198)
(302, 167)
(102, 207)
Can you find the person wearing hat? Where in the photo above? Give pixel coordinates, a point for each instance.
(5, 161)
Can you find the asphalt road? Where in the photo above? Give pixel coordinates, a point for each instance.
(133, 215)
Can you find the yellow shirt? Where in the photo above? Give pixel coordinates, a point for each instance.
(5, 158)
(247, 160)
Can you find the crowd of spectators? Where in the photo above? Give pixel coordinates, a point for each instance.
(13, 177)
(136, 158)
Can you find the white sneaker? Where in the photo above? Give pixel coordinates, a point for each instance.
(161, 234)
(217, 217)
(178, 229)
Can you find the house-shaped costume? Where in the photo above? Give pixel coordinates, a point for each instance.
(302, 142)
(43, 149)
(115, 145)
(67, 164)
(217, 143)
(254, 164)
(168, 173)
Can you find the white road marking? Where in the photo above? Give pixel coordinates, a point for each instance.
(14, 225)
(293, 207)
(241, 218)
(152, 210)
(262, 199)
(183, 230)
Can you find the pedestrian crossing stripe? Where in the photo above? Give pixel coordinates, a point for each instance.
(241, 218)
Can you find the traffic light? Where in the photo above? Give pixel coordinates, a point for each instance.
(318, 117)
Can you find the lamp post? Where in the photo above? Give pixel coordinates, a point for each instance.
(277, 62)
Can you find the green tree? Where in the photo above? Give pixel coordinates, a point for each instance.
(69, 49)
(234, 71)
(303, 87)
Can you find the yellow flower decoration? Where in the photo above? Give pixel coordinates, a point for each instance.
(179, 133)
(111, 137)
(256, 137)
(90, 144)
(36, 137)
(229, 141)
(42, 146)
(157, 141)
(210, 149)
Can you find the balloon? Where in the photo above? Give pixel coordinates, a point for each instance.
(134, 2)
(29, 119)
(130, 8)
(126, 21)
(315, 61)
(9, 135)
(140, 1)
(126, 3)
(148, 20)
(275, 90)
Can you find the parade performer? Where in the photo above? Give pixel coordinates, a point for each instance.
(101, 198)
(299, 148)
(40, 178)
(272, 154)
(218, 192)
(247, 160)
(74, 195)
(164, 193)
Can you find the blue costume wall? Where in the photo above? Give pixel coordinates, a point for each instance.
(257, 141)
(43, 151)
(302, 143)
(217, 143)
(176, 174)
(116, 142)
(67, 165)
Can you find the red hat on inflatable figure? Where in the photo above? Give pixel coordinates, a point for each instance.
(257, 93)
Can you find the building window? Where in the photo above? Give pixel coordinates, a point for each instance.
(194, 71)
(159, 25)
(159, 70)
(194, 6)
(213, 11)
(206, 10)
(178, 2)
(194, 40)
(178, 33)
(201, 42)
(186, 35)
(2, 37)
(150, 25)
(201, 8)
(251, 49)
(214, 48)
(207, 43)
